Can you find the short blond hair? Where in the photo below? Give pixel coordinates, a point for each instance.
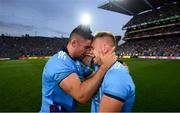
(103, 34)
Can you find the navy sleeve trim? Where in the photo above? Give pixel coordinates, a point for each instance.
(115, 97)
(65, 77)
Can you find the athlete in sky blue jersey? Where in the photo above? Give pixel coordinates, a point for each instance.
(117, 84)
(117, 90)
(59, 67)
(62, 87)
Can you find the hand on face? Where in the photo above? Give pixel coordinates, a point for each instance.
(108, 58)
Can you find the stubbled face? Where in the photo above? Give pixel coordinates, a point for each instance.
(97, 45)
(83, 45)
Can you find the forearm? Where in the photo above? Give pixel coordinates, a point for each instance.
(91, 85)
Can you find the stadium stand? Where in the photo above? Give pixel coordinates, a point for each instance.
(154, 29)
(151, 47)
(15, 47)
(155, 14)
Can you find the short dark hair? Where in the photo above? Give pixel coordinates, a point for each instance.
(84, 31)
(108, 34)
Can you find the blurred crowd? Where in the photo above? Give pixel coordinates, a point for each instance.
(151, 47)
(14, 47)
(159, 38)
(160, 31)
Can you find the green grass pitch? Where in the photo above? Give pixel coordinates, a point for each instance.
(157, 85)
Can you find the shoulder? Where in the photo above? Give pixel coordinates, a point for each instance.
(118, 79)
(117, 71)
(60, 62)
(59, 66)
(60, 58)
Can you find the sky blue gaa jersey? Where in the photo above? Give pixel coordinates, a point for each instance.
(117, 84)
(58, 67)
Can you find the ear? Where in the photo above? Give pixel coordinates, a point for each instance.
(104, 49)
(74, 43)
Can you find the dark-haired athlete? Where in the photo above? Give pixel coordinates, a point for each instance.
(61, 79)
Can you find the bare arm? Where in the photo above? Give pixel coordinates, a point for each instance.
(109, 104)
(83, 91)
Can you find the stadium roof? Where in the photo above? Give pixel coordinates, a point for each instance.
(134, 7)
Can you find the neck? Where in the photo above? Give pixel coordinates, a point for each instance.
(99, 63)
(70, 51)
